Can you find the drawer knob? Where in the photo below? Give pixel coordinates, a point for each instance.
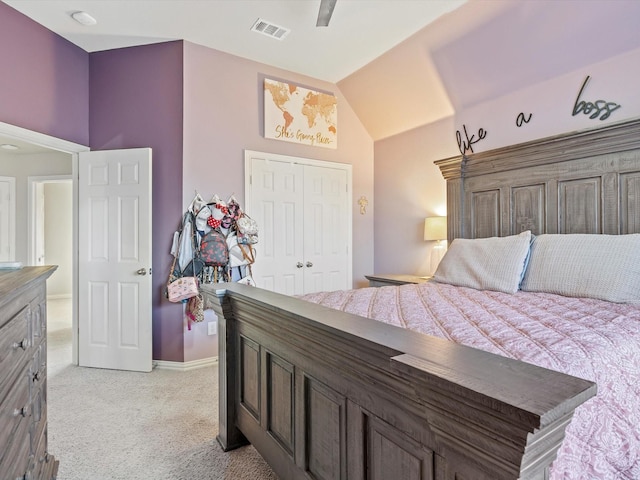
(24, 411)
(23, 344)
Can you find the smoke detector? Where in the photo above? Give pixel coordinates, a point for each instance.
(83, 18)
(270, 29)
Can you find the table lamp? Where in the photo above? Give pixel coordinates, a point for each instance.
(435, 229)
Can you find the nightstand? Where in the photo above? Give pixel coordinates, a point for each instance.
(391, 279)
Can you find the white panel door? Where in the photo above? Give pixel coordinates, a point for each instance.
(114, 280)
(304, 215)
(326, 227)
(277, 190)
(38, 225)
(7, 219)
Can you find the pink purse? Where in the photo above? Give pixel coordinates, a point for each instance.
(182, 289)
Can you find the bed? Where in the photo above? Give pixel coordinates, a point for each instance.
(323, 391)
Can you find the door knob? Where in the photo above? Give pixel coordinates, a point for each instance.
(309, 264)
(299, 265)
(142, 271)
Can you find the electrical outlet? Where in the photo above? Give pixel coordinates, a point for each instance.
(212, 328)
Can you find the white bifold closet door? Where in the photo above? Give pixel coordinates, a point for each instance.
(303, 209)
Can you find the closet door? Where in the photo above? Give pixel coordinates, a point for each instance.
(325, 229)
(303, 210)
(277, 189)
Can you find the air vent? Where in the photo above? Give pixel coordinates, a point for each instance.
(270, 29)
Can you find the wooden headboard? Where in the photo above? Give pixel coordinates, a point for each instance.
(581, 182)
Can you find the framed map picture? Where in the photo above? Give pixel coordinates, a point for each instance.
(298, 115)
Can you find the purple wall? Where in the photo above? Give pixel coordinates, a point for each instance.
(44, 85)
(136, 97)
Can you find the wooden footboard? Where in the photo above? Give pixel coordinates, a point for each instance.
(327, 395)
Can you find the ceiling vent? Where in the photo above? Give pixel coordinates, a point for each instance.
(269, 29)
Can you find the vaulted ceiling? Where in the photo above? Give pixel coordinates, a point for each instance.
(359, 30)
(400, 64)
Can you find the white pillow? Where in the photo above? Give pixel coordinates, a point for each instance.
(495, 263)
(581, 265)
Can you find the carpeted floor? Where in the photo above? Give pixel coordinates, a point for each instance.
(108, 424)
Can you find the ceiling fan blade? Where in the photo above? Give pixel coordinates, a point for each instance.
(325, 12)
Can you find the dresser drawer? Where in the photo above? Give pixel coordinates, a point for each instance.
(15, 412)
(38, 320)
(45, 465)
(15, 342)
(17, 460)
(38, 367)
(39, 417)
(23, 376)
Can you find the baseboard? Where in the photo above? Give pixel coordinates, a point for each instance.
(184, 366)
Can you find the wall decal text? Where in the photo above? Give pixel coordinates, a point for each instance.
(466, 145)
(522, 118)
(593, 109)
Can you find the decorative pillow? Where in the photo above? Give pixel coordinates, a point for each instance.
(495, 263)
(581, 265)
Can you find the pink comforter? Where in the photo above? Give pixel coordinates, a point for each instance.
(591, 339)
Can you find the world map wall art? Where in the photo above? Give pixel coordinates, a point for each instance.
(295, 114)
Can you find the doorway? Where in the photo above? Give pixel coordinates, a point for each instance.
(38, 144)
(50, 218)
(51, 229)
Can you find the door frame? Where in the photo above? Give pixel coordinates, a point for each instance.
(348, 168)
(65, 146)
(34, 182)
(12, 215)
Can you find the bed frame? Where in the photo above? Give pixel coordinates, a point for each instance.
(584, 182)
(323, 394)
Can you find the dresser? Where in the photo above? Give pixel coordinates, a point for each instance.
(23, 375)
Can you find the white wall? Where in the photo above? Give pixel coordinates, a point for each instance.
(21, 166)
(223, 117)
(409, 187)
(58, 213)
(551, 104)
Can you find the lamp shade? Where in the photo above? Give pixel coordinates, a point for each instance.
(435, 228)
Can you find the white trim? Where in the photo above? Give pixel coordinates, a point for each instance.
(61, 296)
(185, 366)
(11, 181)
(53, 143)
(40, 139)
(32, 208)
(249, 154)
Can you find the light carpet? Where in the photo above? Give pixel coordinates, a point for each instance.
(109, 424)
